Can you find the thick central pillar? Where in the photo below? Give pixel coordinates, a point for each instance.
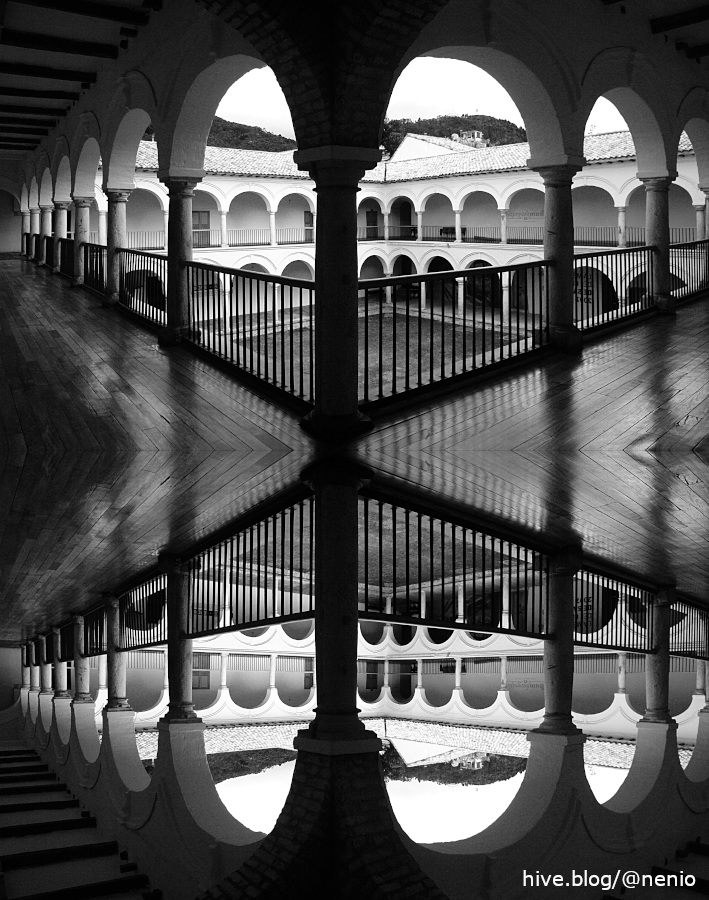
(45, 231)
(336, 172)
(115, 657)
(116, 239)
(60, 679)
(82, 206)
(179, 646)
(657, 664)
(559, 648)
(657, 235)
(61, 215)
(559, 251)
(179, 251)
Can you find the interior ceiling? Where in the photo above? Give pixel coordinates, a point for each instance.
(52, 50)
(50, 53)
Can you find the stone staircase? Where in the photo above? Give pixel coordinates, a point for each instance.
(51, 849)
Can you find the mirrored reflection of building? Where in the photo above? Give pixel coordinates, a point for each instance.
(337, 504)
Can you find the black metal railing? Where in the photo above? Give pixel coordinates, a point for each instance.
(66, 642)
(481, 234)
(37, 247)
(203, 239)
(403, 232)
(419, 330)
(66, 257)
(248, 237)
(27, 244)
(295, 235)
(370, 233)
(417, 568)
(634, 236)
(95, 632)
(525, 234)
(146, 240)
(143, 615)
(595, 236)
(444, 233)
(262, 324)
(683, 235)
(610, 285)
(95, 267)
(689, 630)
(612, 614)
(689, 269)
(143, 284)
(261, 574)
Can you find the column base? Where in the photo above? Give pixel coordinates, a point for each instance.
(566, 338)
(561, 725)
(169, 337)
(337, 745)
(77, 282)
(665, 304)
(336, 428)
(110, 300)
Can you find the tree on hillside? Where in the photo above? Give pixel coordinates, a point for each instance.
(497, 131)
(247, 137)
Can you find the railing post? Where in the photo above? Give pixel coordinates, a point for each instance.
(657, 234)
(559, 251)
(657, 664)
(622, 240)
(179, 646)
(116, 239)
(61, 210)
(81, 236)
(179, 251)
(336, 172)
(559, 646)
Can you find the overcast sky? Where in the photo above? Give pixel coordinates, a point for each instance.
(427, 87)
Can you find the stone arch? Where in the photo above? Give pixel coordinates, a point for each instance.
(693, 119)
(401, 262)
(296, 192)
(294, 218)
(46, 187)
(119, 170)
(300, 268)
(206, 187)
(33, 193)
(488, 258)
(525, 216)
(372, 266)
(256, 259)
(438, 221)
(86, 169)
(61, 170)
(248, 218)
(401, 195)
(480, 215)
(145, 216)
(630, 82)
(595, 215)
(182, 147)
(258, 189)
(24, 198)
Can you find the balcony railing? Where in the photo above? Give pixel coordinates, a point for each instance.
(403, 232)
(95, 267)
(248, 237)
(261, 324)
(610, 285)
(525, 234)
(420, 330)
(595, 236)
(146, 240)
(481, 234)
(689, 269)
(66, 257)
(202, 239)
(49, 251)
(370, 233)
(143, 284)
(295, 235)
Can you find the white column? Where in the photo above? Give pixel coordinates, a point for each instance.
(700, 684)
(61, 210)
(179, 242)
(419, 224)
(82, 206)
(419, 674)
(505, 615)
(166, 226)
(622, 673)
(657, 664)
(222, 225)
(45, 230)
(458, 673)
(657, 234)
(622, 237)
(223, 667)
(505, 286)
(116, 239)
(460, 295)
(460, 603)
(179, 647)
(116, 658)
(102, 230)
(503, 673)
(272, 662)
(503, 224)
(386, 226)
(458, 226)
(272, 227)
(700, 215)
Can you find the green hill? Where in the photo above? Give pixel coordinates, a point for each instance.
(247, 137)
(497, 131)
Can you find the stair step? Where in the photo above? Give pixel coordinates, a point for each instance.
(9, 755)
(27, 776)
(46, 856)
(34, 787)
(42, 826)
(15, 768)
(54, 840)
(83, 891)
(61, 802)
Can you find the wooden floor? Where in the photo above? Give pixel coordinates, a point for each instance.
(112, 449)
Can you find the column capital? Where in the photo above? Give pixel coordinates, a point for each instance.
(657, 182)
(82, 202)
(567, 561)
(110, 600)
(621, 207)
(62, 204)
(77, 619)
(44, 207)
(118, 195)
(561, 174)
(337, 155)
(180, 186)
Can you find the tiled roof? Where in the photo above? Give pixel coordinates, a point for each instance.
(453, 146)
(228, 161)
(461, 160)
